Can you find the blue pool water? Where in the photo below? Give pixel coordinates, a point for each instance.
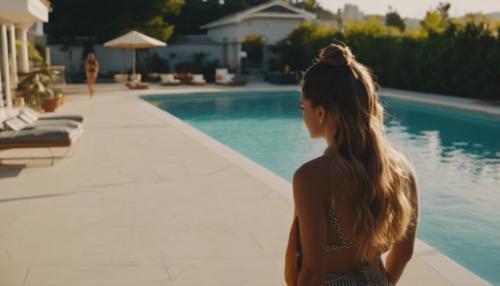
(456, 155)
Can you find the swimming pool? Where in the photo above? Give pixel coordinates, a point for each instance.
(456, 155)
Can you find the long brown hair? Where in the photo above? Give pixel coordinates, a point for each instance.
(345, 87)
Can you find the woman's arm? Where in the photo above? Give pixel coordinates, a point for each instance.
(402, 251)
(312, 219)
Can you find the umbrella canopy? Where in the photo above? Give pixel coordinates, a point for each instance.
(134, 40)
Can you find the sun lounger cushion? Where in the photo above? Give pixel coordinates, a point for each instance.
(17, 124)
(11, 112)
(33, 114)
(55, 123)
(44, 123)
(14, 124)
(38, 137)
(26, 118)
(76, 118)
(3, 117)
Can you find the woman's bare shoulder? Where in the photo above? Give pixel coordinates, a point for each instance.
(305, 185)
(309, 170)
(310, 177)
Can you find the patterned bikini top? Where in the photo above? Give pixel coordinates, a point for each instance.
(332, 217)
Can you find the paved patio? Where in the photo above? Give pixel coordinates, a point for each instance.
(146, 200)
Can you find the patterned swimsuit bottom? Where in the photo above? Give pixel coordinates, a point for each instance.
(368, 275)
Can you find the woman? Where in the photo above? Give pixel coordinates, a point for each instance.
(359, 199)
(91, 70)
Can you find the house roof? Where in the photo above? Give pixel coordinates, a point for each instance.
(272, 9)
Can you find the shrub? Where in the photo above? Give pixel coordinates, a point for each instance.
(451, 57)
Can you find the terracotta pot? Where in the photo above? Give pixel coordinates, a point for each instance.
(49, 105)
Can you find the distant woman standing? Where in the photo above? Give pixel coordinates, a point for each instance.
(91, 70)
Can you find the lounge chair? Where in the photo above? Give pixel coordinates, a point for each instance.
(135, 82)
(198, 79)
(24, 122)
(16, 132)
(169, 79)
(222, 76)
(229, 79)
(37, 116)
(38, 138)
(136, 77)
(29, 119)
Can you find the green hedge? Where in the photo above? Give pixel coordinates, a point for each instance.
(458, 58)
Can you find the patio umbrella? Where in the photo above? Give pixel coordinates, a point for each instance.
(134, 40)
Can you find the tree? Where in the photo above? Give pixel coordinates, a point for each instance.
(444, 8)
(393, 19)
(313, 7)
(253, 45)
(432, 22)
(102, 20)
(196, 13)
(436, 20)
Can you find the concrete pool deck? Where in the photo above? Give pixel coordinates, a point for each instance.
(147, 200)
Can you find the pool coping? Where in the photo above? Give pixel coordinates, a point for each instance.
(467, 104)
(449, 269)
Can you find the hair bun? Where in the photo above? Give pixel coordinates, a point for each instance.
(336, 55)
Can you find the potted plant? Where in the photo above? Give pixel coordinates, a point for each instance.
(50, 100)
(37, 87)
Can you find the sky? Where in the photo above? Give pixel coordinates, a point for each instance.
(414, 8)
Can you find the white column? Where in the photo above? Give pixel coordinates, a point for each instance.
(133, 61)
(5, 66)
(238, 58)
(2, 103)
(24, 64)
(13, 53)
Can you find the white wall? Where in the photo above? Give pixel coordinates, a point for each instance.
(230, 33)
(117, 60)
(273, 29)
(185, 52)
(120, 60)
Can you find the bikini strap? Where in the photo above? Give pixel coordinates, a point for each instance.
(332, 217)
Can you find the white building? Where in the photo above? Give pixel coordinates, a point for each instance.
(352, 13)
(272, 20)
(16, 19)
